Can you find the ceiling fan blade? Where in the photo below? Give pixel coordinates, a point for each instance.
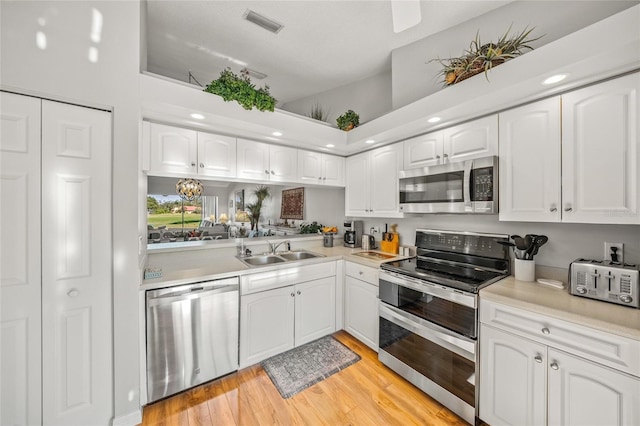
(405, 14)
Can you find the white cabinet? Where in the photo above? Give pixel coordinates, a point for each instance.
(372, 183)
(537, 370)
(320, 169)
(601, 153)
(176, 150)
(475, 139)
(361, 303)
(261, 161)
(58, 279)
(575, 163)
(285, 308)
(530, 163)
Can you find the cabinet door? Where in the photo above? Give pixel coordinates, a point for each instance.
(333, 170)
(361, 311)
(173, 150)
(423, 151)
(283, 164)
(77, 380)
(216, 155)
(385, 163)
(20, 274)
(315, 315)
(309, 167)
(601, 153)
(357, 186)
(266, 324)
(530, 162)
(252, 160)
(584, 393)
(478, 138)
(512, 379)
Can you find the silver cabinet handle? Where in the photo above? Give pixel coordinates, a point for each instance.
(293, 294)
(298, 292)
(568, 209)
(266, 172)
(272, 172)
(437, 157)
(193, 164)
(553, 209)
(319, 178)
(202, 165)
(324, 178)
(554, 366)
(538, 359)
(545, 331)
(74, 292)
(446, 155)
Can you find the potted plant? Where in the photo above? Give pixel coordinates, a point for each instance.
(233, 87)
(261, 192)
(348, 120)
(318, 113)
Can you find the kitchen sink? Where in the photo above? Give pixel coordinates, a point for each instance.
(268, 259)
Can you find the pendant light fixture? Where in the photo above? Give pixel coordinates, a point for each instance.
(188, 190)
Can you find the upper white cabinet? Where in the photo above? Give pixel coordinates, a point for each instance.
(176, 150)
(601, 153)
(261, 161)
(575, 163)
(475, 139)
(372, 183)
(530, 162)
(321, 169)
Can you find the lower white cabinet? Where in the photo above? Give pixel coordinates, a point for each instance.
(275, 320)
(526, 380)
(361, 303)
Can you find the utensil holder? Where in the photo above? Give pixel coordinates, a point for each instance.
(525, 270)
(327, 240)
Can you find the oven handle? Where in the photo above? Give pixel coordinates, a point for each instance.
(459, 297)
(440, 336)
(468, 165)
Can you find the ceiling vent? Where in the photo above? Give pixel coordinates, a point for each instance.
(262, 21)
(255, 74)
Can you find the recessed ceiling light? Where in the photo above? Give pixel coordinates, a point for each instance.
(330, 145)
(555, 79)
(369, 141)
(262, 21)
(197, 116)
(277, 133)
(434, 119)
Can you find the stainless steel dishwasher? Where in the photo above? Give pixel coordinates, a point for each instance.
(192, 335)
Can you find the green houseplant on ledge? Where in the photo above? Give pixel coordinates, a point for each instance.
(348, 121)
(233, 87)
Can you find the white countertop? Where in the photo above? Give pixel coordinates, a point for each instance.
(531, 296)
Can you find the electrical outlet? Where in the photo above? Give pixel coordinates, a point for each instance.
(619, 252)
(375, 229)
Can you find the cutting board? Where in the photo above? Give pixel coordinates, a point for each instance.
(390, 241)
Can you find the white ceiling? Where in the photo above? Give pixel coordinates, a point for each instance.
(324, 43)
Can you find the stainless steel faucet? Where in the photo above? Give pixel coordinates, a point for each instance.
(273, 247)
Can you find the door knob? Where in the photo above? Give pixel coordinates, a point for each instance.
(74, 292)
(554, 366)
(538, 359)
(545, 331)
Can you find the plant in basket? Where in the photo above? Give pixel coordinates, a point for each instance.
(348, 120)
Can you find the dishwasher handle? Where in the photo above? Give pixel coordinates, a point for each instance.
(191, 291)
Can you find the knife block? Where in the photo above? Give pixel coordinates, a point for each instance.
(391, 246)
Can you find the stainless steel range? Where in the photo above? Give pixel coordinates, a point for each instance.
(429, 313)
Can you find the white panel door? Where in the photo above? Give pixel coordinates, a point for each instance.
(423, 151)
(77, 265)
(252, 160)
(601, 153)
(477, 138)
(512, 379)
(361, 311)
(266, 324)
(173, 150)
(315, 310)
(357, 186)
(333, 170)
(283, 163)
(385, 162)
(530, 187)
(583, 393)
(20, 276)
(309, 167)
(216, 155)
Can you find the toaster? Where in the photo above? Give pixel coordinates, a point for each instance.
(605, 280)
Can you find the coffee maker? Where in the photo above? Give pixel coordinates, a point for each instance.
(353, 230)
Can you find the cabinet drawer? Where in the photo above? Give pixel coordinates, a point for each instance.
(262, 281)
(361, 272)
(608, 349)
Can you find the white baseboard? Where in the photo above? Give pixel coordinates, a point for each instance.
(131, 419)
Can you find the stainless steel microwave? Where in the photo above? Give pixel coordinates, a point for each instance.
(459, 187)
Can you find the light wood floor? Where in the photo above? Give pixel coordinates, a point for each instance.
(365, 393)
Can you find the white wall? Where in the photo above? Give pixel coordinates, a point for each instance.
(414, 77)
(567, 242)
(62, 71)
(370, 98)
